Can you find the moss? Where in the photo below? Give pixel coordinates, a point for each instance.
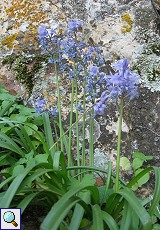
(154, 75)
(9, 59)
(25, 68)
(156, 48)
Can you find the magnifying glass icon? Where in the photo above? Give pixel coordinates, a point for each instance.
(9, 217)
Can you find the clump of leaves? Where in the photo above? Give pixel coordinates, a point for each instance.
(41, 178)
(138, 160)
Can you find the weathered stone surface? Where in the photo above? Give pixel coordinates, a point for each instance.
(125, 28)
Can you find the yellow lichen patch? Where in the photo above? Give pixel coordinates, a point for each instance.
(125, 29)
(22, 11)
(9, 40)
(126, 18)
(31, 13)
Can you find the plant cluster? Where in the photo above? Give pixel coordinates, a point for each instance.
(37, 164)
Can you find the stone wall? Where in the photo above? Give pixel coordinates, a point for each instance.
(124, 28)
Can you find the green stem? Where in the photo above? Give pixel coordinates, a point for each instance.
(91, 150)
(119, 146)
(83, 124)
(55, 128)
(77, 128)
(69, 128)
(59, 108)
(70, 160)
(94, 169)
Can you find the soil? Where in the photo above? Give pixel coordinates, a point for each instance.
(32, 217)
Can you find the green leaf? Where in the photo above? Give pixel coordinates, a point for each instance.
(60, 210)
(109, 221)
(135, 187)
(23, 110)
(137, 177)
(50, 188)
(29, 128)
(8, 143)
(143, 179)
(156, 197)
(134, 220)
(5, 182)
(6, 129)
(41, 158)
(78, 213)
(48, 132)
(58, 160)
(19, 118)
(24, 136)
(19, 169)
(97, 218)
(62, 207)
(137, 163)
(11, 191)
(27, 181)
(126, 217)
(156, 227)
(88, 180)
(7, 97)
(84, 223)
(140, 155)
(137, 207)
(125, 163)
(6, 108)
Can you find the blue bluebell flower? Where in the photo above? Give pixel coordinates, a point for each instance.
(121, 65)
(53, 112)
(39, 105)
(42, 32)
(123, 83)
(75, 25)
(80, 108)
(40, 102)
(99, 108)
(93, 71)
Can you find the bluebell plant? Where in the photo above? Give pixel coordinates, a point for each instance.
(82, 63)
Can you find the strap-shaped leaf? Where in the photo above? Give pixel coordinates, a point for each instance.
(126, 217)
(97, 218)
(137, 207)
(8, 143)
(109, 221)
(156, 195)
(79, 211)
(58, 213)
(10, 193)
(61, 209)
